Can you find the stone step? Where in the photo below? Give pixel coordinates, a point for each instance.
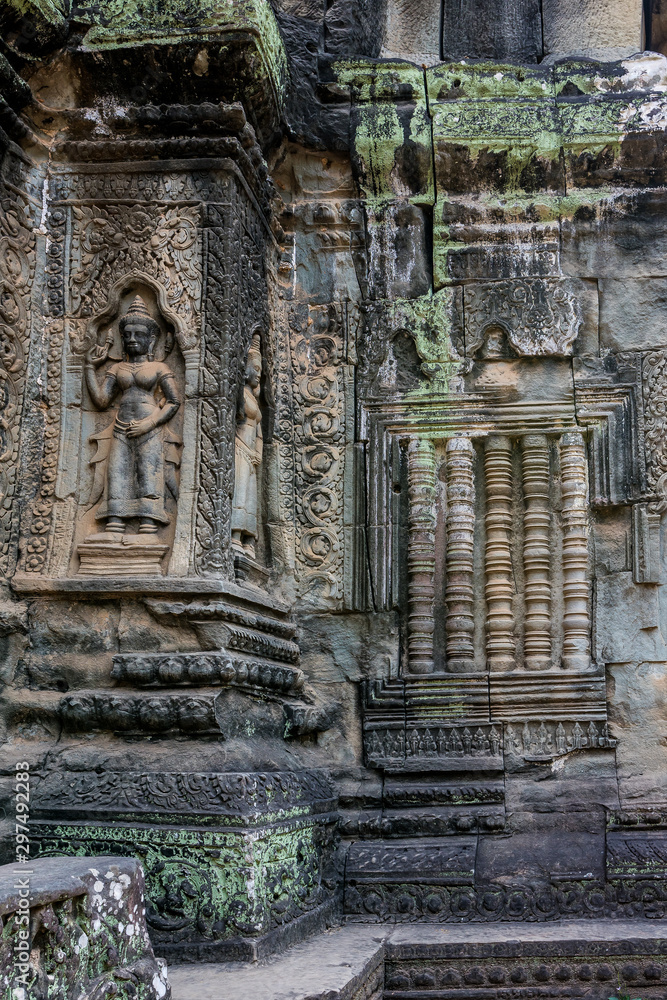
(342, 964)
(592, 959)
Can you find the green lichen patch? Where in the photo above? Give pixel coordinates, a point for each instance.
(434, 321)
(49, 11)
(488, 81)
(413, 347)
(391, 130)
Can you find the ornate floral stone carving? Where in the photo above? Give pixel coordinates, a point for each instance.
(538, 316)
(655, 424)
(235, 241)
(110, 240)
(17, 264)
(319, 433)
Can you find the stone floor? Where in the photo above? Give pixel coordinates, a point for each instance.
(590, 959)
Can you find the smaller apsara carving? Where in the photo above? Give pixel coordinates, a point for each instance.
(248, 456)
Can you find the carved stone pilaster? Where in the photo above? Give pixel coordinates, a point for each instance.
(536, 554)
(500, 642)
(576, 591)
(459, 623)
(421, 555)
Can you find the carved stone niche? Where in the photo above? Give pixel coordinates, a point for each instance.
(129, 437)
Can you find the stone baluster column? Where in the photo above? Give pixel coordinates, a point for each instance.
(536, 553)
(576, 614)
(459, 623)
(421, 555)
(500, 641)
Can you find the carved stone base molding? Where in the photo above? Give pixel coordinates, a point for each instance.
(131, 556)
(247, 570)
(139, 714)
(444, 723)
(165, 670)
(246, 622)
(564, 695)
(433, 880)
(576, 959)
(175, 713)
(435, 805)
(235, 864)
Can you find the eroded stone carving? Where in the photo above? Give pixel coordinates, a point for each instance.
(77, 907)
(204, 669)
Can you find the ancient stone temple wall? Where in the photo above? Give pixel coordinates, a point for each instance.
(333, 465)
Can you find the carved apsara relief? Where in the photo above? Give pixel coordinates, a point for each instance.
(137, 448)
(96, 251)
(248, 456)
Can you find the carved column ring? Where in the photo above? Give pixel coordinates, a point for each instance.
(536, 552)
(421, 555)
(500, 641)
(459, 596)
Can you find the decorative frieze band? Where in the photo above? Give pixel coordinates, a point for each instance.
(547, 739)
(435, 747)
(203, 669)
(195, 793)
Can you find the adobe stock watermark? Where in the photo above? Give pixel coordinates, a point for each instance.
(22, 872)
